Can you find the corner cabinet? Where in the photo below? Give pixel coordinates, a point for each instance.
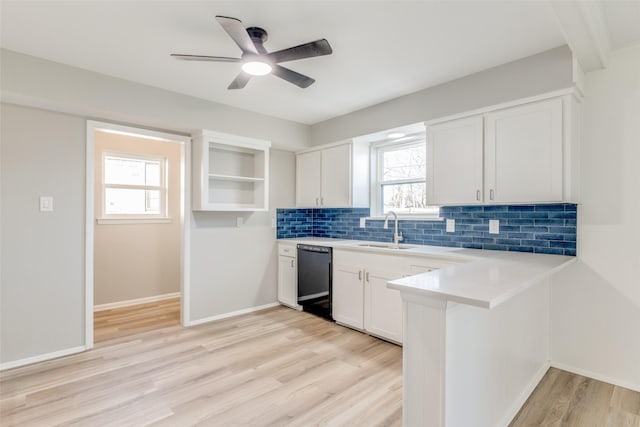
(521, 154)
(333, 177)
(230, 173)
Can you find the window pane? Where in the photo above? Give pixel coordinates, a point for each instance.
(153, 201)
(404, 197)
(153, 173)
(405, 163)
(121, 201)
(124, 171)
(119, 170)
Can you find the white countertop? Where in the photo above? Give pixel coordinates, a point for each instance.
(481, 278)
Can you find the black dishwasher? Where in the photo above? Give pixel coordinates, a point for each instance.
(314, 279)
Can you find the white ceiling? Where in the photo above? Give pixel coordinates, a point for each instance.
(382, 49)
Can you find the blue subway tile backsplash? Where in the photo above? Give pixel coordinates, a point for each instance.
(548, 229)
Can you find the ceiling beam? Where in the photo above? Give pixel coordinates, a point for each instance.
(585, 32)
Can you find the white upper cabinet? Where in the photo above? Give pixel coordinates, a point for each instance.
(521, 154)
(230, 173)
(308, 173)
(455, 162)
(333, 177)
(336, 176)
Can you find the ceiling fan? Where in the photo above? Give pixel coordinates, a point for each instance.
(255, 59)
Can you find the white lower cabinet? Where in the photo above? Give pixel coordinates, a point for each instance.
(361, 298)
(287, 275)
(382, 306)
(348, 295)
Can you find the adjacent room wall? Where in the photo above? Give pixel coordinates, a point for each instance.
(596, 303)
(42, 253)
(533, 75)
(137, 260)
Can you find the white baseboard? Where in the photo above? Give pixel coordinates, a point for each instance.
(522, 398)
(41, 358)
(231, 314)
(596, 376)
(136, 301)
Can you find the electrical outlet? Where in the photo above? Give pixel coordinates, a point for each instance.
(494, 226)
(363, 222)
(451, 225)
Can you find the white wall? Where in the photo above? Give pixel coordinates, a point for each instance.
(42, 254)
(36, 82)
(596, 303)
(43, 153)
(235, 268)
(533, 75)
(135, 260)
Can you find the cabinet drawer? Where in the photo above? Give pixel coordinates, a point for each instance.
(287, 250)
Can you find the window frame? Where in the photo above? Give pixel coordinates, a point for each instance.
(377, 151)
(163, 216)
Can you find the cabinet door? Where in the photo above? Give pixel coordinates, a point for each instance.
(287, 281)
(523, 154)
(336, 177)
(348, 296)
(308, 166)
(383, 306)
(454, 162)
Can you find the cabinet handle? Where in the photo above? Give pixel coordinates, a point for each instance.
(359, 274)
(491, 194)
(317, 204)
(478, 195)
(291, 263)
(366, 276)
(321, 201)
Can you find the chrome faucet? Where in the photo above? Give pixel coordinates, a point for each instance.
(396, 235)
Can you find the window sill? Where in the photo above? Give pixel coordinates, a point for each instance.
(414, 217)
(107, 221)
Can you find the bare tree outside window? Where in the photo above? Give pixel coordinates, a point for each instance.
(402, 178)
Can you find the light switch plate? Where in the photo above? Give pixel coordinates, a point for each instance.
(451, 225)
(46, 204)
(494, 226)
(239, 221)
(363, 222)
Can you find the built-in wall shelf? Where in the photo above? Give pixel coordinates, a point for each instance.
(230, 172)
(234, 178)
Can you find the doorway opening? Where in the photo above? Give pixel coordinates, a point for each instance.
(137, 228)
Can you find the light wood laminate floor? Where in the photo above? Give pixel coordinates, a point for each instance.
(124, 321)
(275, 367)
(570, 400)
(272, 368)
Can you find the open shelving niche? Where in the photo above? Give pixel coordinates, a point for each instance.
(230, 172)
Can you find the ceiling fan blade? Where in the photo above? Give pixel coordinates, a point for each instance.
(240, 81)
(238, 33)
(291, 76)
(204, 58)
(307, 50)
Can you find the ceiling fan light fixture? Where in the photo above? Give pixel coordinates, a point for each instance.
(256, 68)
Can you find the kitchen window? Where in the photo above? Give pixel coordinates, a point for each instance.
(134, 186)
(400, 184)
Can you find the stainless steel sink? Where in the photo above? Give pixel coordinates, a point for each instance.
(386, 246)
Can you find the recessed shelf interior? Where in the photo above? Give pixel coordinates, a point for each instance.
(230, 172)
